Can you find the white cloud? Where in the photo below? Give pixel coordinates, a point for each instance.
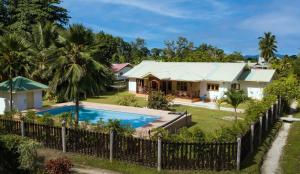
(173, 8)
(282, 19)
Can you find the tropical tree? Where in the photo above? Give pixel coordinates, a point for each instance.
(14, 52)
(76, 73)
(43, 39)
(268, 46)
(235, 98)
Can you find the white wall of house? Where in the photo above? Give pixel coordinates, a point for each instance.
(223, 87)
(254, 90)
(21, 101)
(132, 85)
(2, 106)
(38, 99)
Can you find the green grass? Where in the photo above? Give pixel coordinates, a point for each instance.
(290, 161)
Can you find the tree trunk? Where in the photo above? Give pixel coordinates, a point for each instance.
(76, 112)
(11, 93)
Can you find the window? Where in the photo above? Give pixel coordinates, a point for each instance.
(212, 87)
(235, 86)
(181, 86)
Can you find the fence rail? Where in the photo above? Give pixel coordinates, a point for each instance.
(163, 154)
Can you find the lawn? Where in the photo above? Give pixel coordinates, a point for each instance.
(290, 161)
(206, 119)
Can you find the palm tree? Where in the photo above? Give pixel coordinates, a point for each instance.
(14, 53)
(76, 73)
(268, 46)
(235, 98)
(43, 39)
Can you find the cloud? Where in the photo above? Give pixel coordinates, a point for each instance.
(174, 8)
(282, 19)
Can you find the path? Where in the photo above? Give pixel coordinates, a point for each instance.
(271, 163)
(89, 170)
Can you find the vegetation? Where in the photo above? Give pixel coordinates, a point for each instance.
(127, 99)
(268, 46)
(158, 100)
(290, 156)
(23, 150)
(115, 126)
(235, 98)
(59, 166)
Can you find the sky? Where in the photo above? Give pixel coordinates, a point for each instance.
(233, 25)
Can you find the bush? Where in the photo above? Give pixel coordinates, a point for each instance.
(59, 166)
(127, 100)
(46, 119)
(158, 100)
(114, 125)
(25, 148)
(9, 114)
(30, 116)
(67, 116)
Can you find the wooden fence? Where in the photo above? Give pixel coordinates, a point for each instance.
(160, 154)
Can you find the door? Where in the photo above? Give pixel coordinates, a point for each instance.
(30, 100)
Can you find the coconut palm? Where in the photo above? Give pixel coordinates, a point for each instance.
(76, 73)
(268, 46)
(235, 98)
(14, 53)
(43, 39)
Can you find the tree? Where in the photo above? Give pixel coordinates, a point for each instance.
(20, 15)
(14, 52)
(76, 73)
(268, 46)
(235, 98)
(43, 39)
(297, 67)
(139, 50)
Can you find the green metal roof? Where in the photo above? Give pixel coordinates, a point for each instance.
(22, 84)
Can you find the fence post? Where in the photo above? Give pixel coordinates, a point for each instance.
(267, 120)
(252, 138)
(159, 153)
(276, 111)
(272, 114)
(260, 130)
(111, 145)
(22, 128)
(238, 154)
(63, 135)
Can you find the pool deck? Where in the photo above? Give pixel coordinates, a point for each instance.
(164, 116)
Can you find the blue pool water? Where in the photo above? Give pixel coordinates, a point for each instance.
(93, 115)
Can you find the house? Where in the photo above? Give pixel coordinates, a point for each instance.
(27, 94)
(120, 69)
(197, 80)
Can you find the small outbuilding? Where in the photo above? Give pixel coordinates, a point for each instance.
(27, 94)
(120, 69)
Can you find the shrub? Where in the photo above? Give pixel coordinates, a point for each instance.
(30, 116)
(9, 114)
(127, 100)
(59, 166)
(114, 125)
(67, 116)
(158, 100)
(46, 119)
(26, 148)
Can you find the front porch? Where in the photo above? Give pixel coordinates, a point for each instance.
(189, 91)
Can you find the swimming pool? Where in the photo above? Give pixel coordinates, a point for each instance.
(93, 115)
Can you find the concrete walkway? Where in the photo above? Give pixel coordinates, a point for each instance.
(271, 163)
(209, 105)
(89, 170)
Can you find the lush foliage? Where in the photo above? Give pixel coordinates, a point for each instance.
(158, 100)
(268, 46)
(235, 98)
(183, 135)
(59, 166)
(127, 99)
(115, 126)
(26, 149)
